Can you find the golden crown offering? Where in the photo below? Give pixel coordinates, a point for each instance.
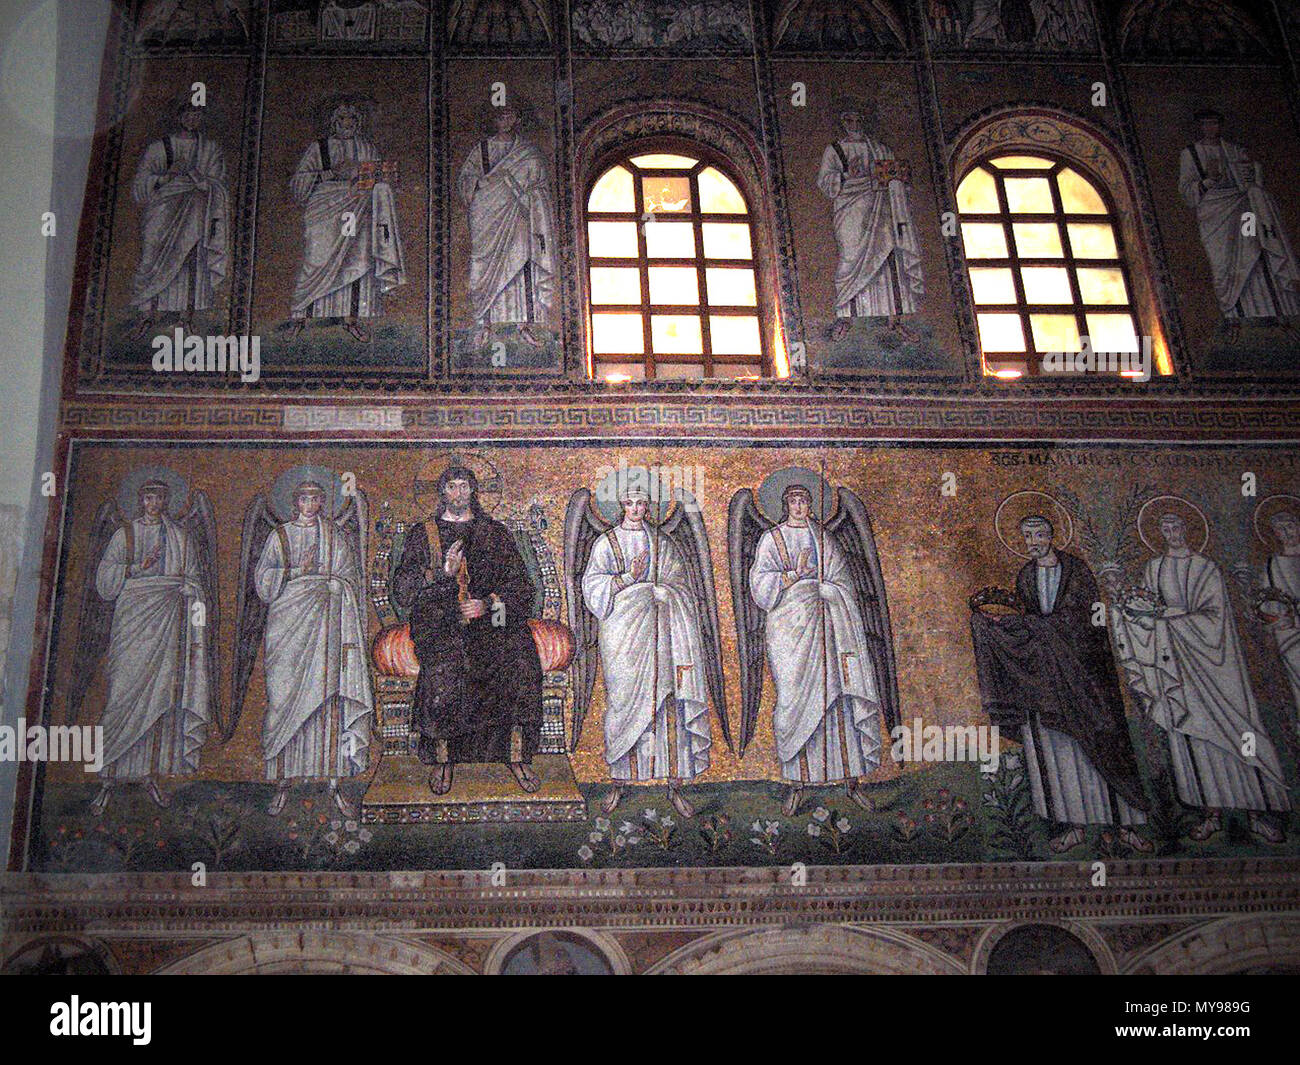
(1272, 605)
(995, 603)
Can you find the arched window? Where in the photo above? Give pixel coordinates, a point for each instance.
(1046, 263)
(672, 290)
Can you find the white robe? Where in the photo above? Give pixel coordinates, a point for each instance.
(827, 716)
(345, 276)
(1191, 674)
(319, 704)
(1283, 573)
(512, 233)
(879, 271)
(158, 709)
(648, 648)
(183, 226)
(1252, 275)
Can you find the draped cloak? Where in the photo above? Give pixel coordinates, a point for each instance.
(1058, 668)
(479, 694)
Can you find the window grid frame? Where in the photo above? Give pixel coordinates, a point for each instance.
(1029, 362)
(706, 359)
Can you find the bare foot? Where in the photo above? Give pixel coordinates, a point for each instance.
(100, 802)
(1207, 828)
(526, 777)
(858, 794)
(141, 329)
(840, 329)
(1262, 830)
(296, 327)
(345, 805)
(356, 330)
(152, 790)
(440, 779)
(680, 802)
(530, 337)
(610, 802)
(791, 805)
(276, 806)
(1067, 840)
(1131, 839)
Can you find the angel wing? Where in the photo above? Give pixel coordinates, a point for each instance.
(851, 528)
(685, 528)
(745, 526)
(582, 527)
(200, 528)
(250, 611)
(95, 622)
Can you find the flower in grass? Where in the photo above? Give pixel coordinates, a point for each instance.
(843, 824)
(365, 835)
(331, 838)
(620, 841)
(352, 846)
(821, 814)
(595, 837)
(602, 823)
(585, 853)
(814, 829)
(668, 822)
(652, 815)
(757, 826)
(336, 825)
(350, 826)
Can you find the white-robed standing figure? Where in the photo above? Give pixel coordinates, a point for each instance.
(1185, 661)
(1253, 266)
(1282, 575)
(352, 244)
(828, 710)
(319, 704)
(160, 682)
(652, 657)
(512, 266)
(879, 269)
(180, 185)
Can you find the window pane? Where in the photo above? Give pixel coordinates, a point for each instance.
(984, 240)
(612, 240)
(674, 284)
(611, 284)
(613, 192)
(1029, 196)
(738, 370)
(1102, 285)
(992, 285)
(978, 193)
(679, 371)
(727, 240)
(1055, 332)
(618, 372)
(1078, 195)
(670, 240)
(718, 195)
(1023, 162)
(730, 288)
(617, 334)
(666, 194)
(1092, 240)
(1112, 332)
(734, 335)
(676, 334)
(1046, 284)
(1001, 332)
(1037, 240)
(663, 162)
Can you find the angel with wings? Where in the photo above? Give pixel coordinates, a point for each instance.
(150, 601)
(641, 597)
(301, 593)
(808, 592)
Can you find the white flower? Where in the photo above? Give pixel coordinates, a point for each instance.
(596, 837)
(351, 826)
(1011, 760)
(585, 853)
(668, 822)
(626, 828)
(652, 815)
(757, 826)
(602, 823)
(756, 841)
(336, 825)
(633, 840)
(352, 846)
(365, 835)
(814, 830)
(331, 838)
(774, 828)
(620, 841)
(821, 813)
(842, 824)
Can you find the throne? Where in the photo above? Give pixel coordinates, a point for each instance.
(399, 792)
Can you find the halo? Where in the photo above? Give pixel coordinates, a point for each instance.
(282, 490)
(774, 484)
(1264, 514)
(1020, 505)
(491, 484)
(1148, 529)
(663, 497)
(128, 492)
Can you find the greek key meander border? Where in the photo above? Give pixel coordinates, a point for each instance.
(682, 898)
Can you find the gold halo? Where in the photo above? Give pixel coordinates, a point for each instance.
(1185, 509)
(1010, 514)
(490, 482)
(1262, 516)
